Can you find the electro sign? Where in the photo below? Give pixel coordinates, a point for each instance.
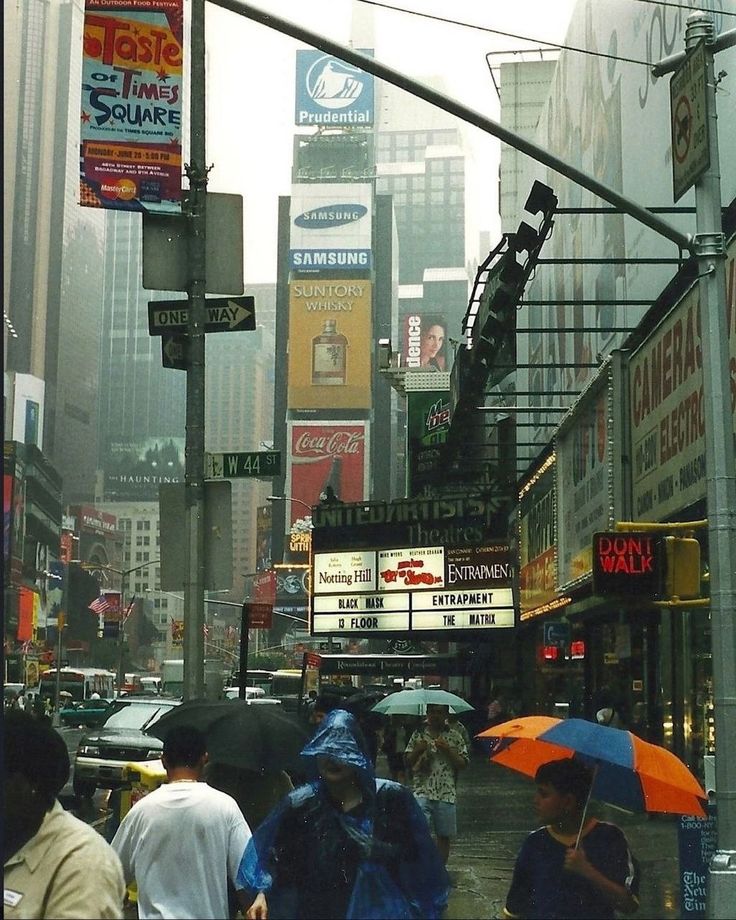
(627, 563)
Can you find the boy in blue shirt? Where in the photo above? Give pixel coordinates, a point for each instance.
(555, 879)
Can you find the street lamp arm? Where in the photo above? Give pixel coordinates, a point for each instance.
(288, 498)
(92, 566)
(472, 117)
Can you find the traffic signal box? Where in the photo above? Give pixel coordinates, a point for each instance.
(682, 568)
(646, 565)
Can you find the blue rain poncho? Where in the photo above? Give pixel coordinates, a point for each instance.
(378, 860)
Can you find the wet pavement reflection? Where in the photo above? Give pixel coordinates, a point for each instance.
(495, 813)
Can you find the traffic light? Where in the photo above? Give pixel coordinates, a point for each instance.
(682, 568)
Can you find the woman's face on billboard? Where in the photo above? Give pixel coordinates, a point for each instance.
(433, 339)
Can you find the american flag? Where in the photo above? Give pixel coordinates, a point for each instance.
(100, 605)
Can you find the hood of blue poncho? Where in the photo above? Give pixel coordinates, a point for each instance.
(339, 736)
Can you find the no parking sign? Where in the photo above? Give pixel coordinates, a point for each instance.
(689, 121)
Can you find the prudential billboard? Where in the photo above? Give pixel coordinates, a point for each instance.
(331, 92)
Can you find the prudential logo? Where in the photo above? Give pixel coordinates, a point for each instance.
(331, 92)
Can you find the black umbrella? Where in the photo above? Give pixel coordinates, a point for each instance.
(342, 690)
(364, 700)
(251, 736)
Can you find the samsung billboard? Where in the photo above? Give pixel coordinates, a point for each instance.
(331, 227)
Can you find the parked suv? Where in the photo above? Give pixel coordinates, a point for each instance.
(103, 753)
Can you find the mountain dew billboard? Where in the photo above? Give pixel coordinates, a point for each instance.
(428, 422)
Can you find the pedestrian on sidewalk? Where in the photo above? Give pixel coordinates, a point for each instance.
(435, 754)
(183, 841)
(395, 738)
(345, 845)
(573, 867)
(56, 866)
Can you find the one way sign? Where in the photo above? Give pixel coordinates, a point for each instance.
(223, 314)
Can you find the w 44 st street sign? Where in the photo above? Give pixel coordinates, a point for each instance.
(223, 314)
(253, 464)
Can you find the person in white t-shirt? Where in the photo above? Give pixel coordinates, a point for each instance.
(183, 841)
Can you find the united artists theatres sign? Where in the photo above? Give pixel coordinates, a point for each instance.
(459, 579)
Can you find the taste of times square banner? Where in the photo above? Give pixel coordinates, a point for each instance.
(130, 120)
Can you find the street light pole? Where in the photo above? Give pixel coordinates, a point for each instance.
(709, 247)
(123, 573)
(195, 400)
(310, 509)
(60, 623)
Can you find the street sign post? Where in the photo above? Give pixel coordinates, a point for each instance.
(166, 258)
(253, 464)
(222, 314)
(688, 114)
(175, 351)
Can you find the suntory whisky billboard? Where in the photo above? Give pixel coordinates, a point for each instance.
(330, 344)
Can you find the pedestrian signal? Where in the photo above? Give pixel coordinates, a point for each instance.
(626, 563)
(682, 568)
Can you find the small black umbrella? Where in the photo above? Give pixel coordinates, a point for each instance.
(251, 736)
(364, 700)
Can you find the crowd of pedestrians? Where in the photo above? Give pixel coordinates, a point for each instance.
(335, 841)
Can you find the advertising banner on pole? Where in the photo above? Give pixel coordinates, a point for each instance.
(130, 120)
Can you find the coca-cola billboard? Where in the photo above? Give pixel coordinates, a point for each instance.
(325, 458)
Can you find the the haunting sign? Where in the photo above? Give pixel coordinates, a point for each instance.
(627, 563)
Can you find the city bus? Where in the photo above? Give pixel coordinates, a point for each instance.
(172, 677)
(81, 683)
(257, 677)
(286, 685)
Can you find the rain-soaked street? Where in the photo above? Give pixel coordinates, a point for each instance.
(495, 813)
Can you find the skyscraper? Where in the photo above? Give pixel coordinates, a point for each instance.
(53, 248)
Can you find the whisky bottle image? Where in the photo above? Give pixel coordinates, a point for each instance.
(329, 356)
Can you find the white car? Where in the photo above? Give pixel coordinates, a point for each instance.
(252, 695)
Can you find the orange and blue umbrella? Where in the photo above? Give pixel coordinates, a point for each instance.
(627, 771)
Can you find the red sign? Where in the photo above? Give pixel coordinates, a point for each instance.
(312, 660)
(577, 649)
(264, 587)
(626, 563)
(260, 616)
(325, 454)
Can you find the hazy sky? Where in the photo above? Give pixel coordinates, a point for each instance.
(250, 93)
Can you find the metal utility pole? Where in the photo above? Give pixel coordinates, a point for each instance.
(194, 452)
(720, 466)
(720, 462)
(60, 624)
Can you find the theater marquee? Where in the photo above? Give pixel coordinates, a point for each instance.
(403, 590)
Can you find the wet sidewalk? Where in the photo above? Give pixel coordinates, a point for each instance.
(495, 813)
